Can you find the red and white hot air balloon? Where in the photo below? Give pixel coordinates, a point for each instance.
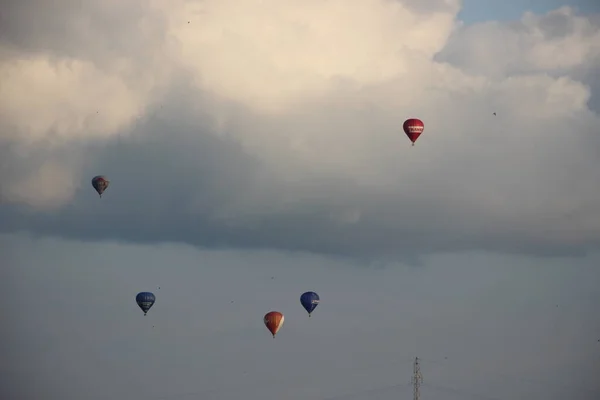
(273, 321)
(413, 128)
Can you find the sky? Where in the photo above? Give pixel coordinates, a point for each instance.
(255, 151)
(474, 11)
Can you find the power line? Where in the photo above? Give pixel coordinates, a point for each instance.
(417, 379)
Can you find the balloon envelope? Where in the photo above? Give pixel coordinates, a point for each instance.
(100, 183)
(145, 300)
(310, 301)
(413, 128)
(273, 321)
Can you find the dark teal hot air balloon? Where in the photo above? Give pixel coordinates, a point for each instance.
(310, 301)
(145, 300)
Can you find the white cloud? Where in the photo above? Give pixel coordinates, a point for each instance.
(316, 92)
(556, 42)
(267, 53)
(67, 99)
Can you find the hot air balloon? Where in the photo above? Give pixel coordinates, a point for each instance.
(310, 301)
(413, 128)
(273, 321)
(145, 300)
(100, 183)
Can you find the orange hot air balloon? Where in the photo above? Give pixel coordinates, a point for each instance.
(413, 128)
(273, 321)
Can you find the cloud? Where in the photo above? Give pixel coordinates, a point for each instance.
(526, 46)
(278, 125)
(64, 104)
(292, 49)
(530, 46)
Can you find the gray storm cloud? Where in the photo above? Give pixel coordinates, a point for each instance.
(278, 125)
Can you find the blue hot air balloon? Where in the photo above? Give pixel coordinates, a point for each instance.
(310, 301)
(145, 300)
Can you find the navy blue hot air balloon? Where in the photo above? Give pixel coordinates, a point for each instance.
(310, 301)
(145, 300)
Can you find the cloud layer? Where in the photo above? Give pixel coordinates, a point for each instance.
(277, 124)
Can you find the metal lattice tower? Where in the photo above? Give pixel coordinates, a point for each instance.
(417, 379)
